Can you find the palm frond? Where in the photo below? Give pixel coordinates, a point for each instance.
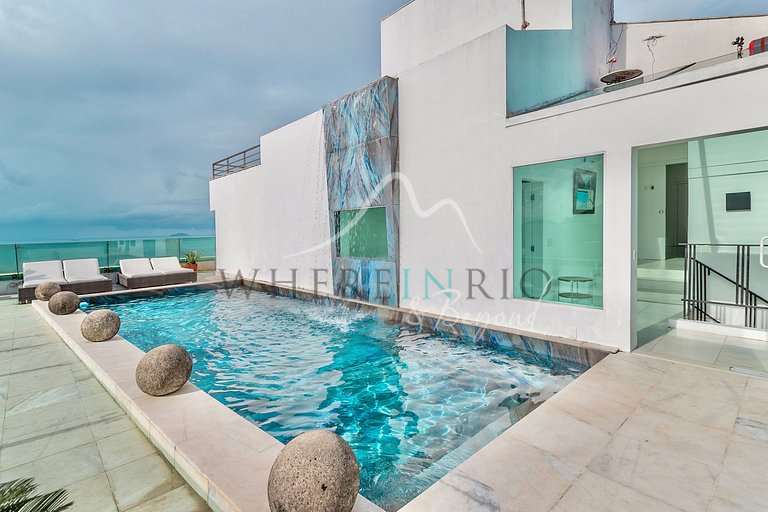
(18, 496)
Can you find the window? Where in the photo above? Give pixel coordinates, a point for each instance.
(558, 231)
(362, 233)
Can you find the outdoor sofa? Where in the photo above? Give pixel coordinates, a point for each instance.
(81, 276)
(144, 272)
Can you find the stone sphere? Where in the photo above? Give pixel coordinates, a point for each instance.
(163, 370)
(64, 303)
(100, 325)
(46, 290)
(316, 472)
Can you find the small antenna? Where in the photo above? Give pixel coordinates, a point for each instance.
(739, 44)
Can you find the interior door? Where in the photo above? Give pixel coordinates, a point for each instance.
(676, 210)
(532, 283)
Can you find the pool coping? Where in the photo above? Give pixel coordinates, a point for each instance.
(199, 457)
(187, 427)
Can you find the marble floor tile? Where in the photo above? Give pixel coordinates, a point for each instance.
(667, 477)
(28, 449)
(181, 499)
(692, 405)
(122, 448)
(743, 485)
(61, 469)
(562, 435)
(698, 349)
(673, 435)
(92, 495)
(593, 493)
(142, 480)
(521, 476)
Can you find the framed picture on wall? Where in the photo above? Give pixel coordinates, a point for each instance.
(584, 185)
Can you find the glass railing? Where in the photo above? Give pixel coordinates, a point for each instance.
(108, 252)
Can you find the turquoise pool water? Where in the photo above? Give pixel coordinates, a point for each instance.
(412, 406)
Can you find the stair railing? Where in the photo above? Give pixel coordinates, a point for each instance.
(696, 280)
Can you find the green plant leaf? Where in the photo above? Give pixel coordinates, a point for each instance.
(18, 496)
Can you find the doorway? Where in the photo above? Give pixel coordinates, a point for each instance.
(676, 210)
(662, 225)
(532, 278)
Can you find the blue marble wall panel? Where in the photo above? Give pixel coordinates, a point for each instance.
(361, 145)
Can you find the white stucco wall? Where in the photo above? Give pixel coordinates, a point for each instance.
(455, 144)
(683, 42)
(424, 29)
(268, 212)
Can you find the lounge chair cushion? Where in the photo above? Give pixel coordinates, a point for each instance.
(35, 272)
(86, 279)
(138, 267)
(169, 265)
(88, 267)
(31, 283)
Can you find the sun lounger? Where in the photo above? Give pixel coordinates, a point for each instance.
(79, 276)
(138, 273)
(173, 271)
(36, 272)
(83, 276)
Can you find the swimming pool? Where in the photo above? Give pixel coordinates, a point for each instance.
(411, 405)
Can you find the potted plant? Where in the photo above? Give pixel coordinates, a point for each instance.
(192, 257)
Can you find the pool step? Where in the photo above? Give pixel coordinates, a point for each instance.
(480, 439)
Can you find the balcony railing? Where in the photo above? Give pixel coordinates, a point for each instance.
(108, 252)
(237, 162)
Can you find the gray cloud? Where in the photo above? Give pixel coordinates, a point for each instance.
(111, 112)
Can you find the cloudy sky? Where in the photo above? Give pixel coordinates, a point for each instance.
(111, 112)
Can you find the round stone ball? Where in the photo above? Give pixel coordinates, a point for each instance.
(64, 303)
(315, 472)
(100, 325)
(163, 370)
(46, 290)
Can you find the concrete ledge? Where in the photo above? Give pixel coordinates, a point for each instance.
(225, 458)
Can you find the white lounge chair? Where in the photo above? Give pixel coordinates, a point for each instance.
(138, 273)
(36, 272)
(176, 274)
(84, 276)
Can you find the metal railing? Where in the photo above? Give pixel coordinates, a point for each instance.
(237, 162)
(696, 290)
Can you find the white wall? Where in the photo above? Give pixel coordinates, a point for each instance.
(736, 163)
(425, 29)
(652, 198)
(455, 144)
(684, 42)
(278, 208)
